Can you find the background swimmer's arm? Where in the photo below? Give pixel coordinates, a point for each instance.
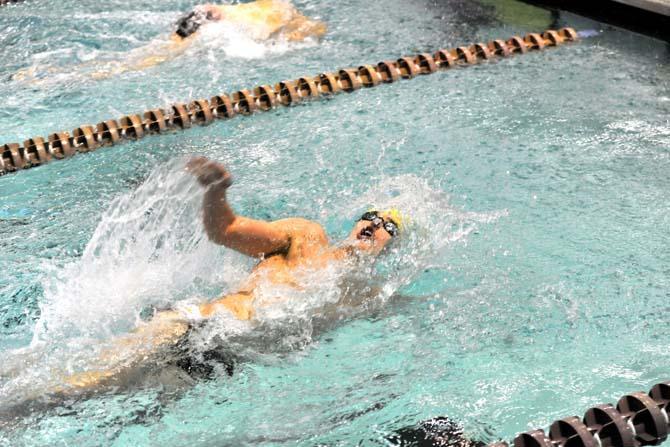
(147, 56)
(301, 28)
(140, 58)
(248, 236)
(161, 53)
(157, 53)
(213, 12)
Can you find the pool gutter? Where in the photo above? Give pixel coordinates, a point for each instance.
(661, 7)
(648, 17)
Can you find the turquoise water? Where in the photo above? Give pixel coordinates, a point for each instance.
(534, 282)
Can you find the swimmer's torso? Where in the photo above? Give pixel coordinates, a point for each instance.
(261, 18)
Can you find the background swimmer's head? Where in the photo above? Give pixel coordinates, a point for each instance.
(375, 229)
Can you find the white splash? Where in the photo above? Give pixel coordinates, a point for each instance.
(149, 249)
(237, 42)
(288, 319)
(433, 225)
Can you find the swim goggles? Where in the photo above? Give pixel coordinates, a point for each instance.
(388, 225)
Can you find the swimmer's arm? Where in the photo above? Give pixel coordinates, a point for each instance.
(359, 296)
(214, 12)
(147, 56)
(251, 237)
(159, 53)
(298, 30)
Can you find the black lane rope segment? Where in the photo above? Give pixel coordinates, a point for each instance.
(639, 419)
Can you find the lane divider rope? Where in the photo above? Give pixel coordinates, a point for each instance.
(37, 151)
(638, 419)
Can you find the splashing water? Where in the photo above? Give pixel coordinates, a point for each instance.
(288, 319)
(433, 226)
(238, 43)
(150, 250)
(215, 39)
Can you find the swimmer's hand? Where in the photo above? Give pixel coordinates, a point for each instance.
(212, 12)
(209, 173)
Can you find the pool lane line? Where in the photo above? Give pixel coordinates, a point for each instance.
(7, 2)
(37, 151)
(639, 419)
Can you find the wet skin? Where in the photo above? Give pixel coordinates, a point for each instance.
(283, 246)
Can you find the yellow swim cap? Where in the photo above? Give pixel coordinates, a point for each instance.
(396, 216)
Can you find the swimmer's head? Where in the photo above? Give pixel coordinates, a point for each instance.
(375, 229)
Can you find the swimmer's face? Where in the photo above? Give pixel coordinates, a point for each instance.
(370, 236)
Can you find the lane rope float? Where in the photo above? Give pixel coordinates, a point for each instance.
(37, 151)
(639, 419)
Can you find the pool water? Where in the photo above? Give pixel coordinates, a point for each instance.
(533, 283)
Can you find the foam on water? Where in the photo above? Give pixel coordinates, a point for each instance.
(235, 42)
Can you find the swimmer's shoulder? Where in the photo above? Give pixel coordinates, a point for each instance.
(299, 228)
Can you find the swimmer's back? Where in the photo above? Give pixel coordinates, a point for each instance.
(263, 17)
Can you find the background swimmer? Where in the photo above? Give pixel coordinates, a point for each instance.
(260, 20)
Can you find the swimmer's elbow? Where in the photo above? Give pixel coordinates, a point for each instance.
(218, 234)
(320, 29)
(215, 236)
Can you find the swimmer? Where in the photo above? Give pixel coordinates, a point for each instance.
(283, 248)
(260, 20)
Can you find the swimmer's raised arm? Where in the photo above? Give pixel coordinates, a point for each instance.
(252, 237)
(213, 12)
